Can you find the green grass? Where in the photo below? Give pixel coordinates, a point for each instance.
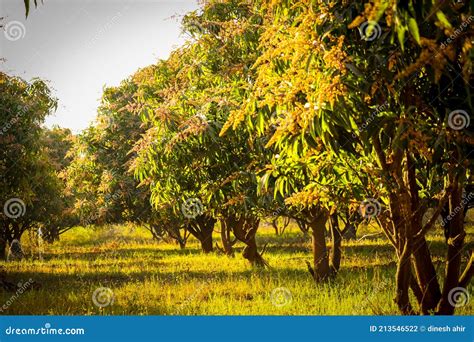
(150, 278)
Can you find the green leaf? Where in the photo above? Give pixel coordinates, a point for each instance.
(324, 124)
(401, 36)
(413, 26)
(27, 7)
(260, 123)
(442, 18)
(264, 181)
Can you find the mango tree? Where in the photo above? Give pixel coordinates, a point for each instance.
(99, 176)
(30, 186)
(386, 87)
(186, 159)
(57, 142)
(302, 175)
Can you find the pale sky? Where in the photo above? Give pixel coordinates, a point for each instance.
(80, 46)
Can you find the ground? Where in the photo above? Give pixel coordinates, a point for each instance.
(150, 278)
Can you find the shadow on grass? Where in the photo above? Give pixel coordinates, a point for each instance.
(122, 252)
(113, 278)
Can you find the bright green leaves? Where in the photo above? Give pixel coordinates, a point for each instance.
(443, 19)
(101, 175)
(29, 155)
(205, 81)
(413, 27)
(27, 6)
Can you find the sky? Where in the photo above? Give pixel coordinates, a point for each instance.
(80, 46)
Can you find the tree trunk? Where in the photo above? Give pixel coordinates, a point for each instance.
(275, 225)
(245, 230)
(424, 271)
(207, 227)
(322, 271)
(400, 208)
(206, 242)
(226, 239)
(403, 280)
(336, 238)
(202, 229)
(456, 236)
(426, 277)
(468, 273)
(251, 252)
(3, 248)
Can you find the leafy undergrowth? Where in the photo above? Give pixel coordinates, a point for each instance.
(150, 278)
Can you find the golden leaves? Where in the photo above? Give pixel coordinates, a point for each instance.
(287, 125)
(236, 117)
(357, 22)
(431, 54)
(373, 11)
(236, 200)
(467, 69)
(308, 198)
(192, 127)
(305, 199)
(297, 62)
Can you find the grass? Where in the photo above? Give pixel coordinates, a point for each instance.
(150, 278)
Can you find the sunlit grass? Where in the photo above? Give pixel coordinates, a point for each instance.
(150, 278)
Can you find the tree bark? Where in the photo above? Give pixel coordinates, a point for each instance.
(206, 242)
(245, 230)
(251, 252)
(226, 239)
(207, 227)
(3, 248)
(400, 207)
(202, 229)
(456, 236)
(336, 238)
(322, 271)
(403, 280)
(468, 272)
(425, 274)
